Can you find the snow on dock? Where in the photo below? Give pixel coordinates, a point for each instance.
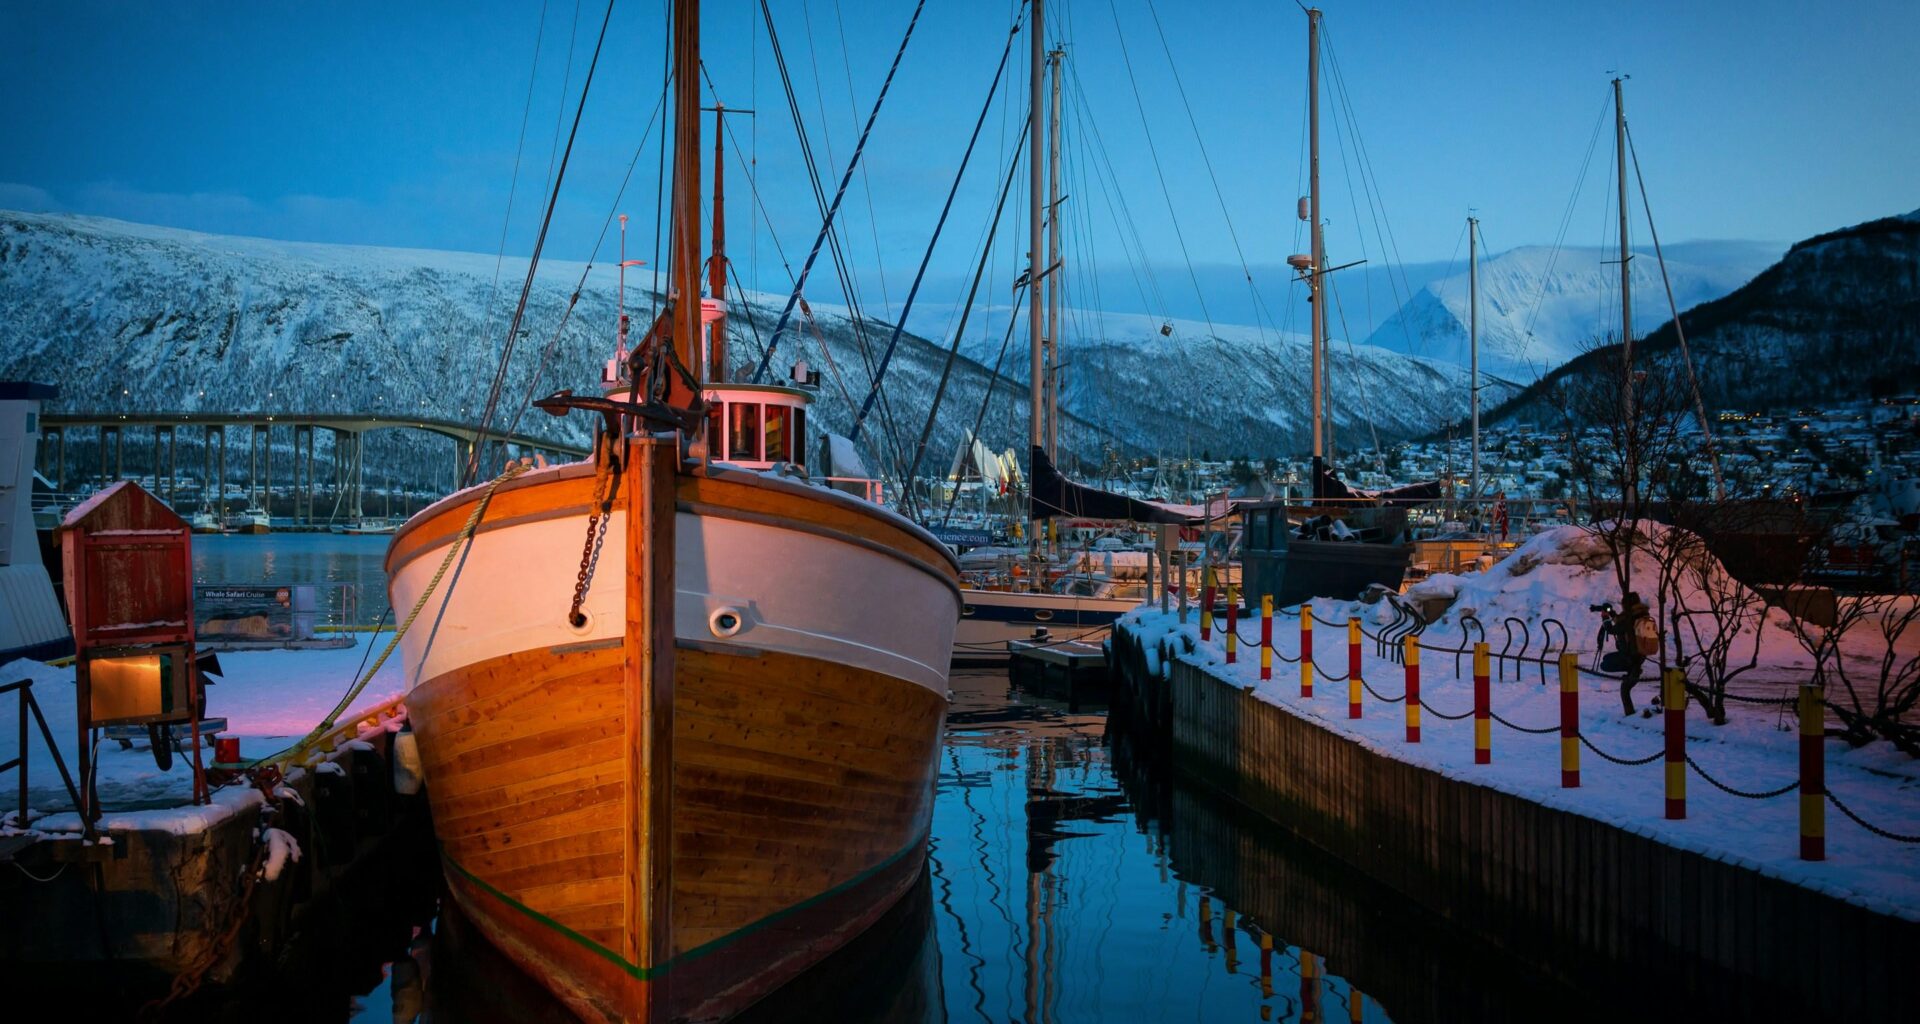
(269, 698)
(1556, 574)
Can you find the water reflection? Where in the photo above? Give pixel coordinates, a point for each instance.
(300, 558)
(1069, 880)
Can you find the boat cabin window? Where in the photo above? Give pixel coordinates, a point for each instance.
(751, 426)
(743, 431)
(776, 435)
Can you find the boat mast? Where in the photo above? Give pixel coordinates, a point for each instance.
(1631, 483)
(1053, 261)
(1473, 344)
(1036, 382)
(717, 265)
(1319, 259)
(684, 282)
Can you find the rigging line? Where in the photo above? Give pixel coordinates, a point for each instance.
(953, 350)
(1376, 201)
(513, 187)
(832, 240)
(1131, 223)
(1693, 379)
(746, 308)
(826, 226)
(826, 129)
(1154, 152)
(660, 181)
(566, 88)
(533, 263)
(1376, 198)
(1125, 227)
(1366, 391)
(1566, 223)
(866, 182)
(1206, 161)
(913, 291)
(546, 355)
(993, 378)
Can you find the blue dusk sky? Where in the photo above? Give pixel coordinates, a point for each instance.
(400, 124)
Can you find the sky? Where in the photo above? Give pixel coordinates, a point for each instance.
(437, 125)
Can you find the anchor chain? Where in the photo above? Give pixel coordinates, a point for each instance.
(596, 537)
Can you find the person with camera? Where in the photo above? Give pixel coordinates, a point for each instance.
(1635, 639)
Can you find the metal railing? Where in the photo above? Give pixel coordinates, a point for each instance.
(24, 687)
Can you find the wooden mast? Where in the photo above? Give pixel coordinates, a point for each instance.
(717, 265)
(1473, 344)
(1036, 327)
(1319, 259)
(1053, 260)
(1631, 483)
(684, 286)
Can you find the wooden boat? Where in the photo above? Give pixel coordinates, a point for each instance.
(668, 778)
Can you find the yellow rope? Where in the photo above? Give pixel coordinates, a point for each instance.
(293, 753)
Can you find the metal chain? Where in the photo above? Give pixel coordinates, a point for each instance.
(1377, 695)
(187, 981)
(1443, 716)
(1521, 728)
(597, 521)
(1876, 830)
(1649, 759)
(1724, 788)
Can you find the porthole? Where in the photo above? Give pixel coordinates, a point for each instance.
(1044, 615)
(966, 609)
(581, 625)
(725, 622)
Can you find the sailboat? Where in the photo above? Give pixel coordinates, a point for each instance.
(679, 707)
(1077, 607)
(1345, 542)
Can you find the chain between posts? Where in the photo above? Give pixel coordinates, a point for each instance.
(1875, 829)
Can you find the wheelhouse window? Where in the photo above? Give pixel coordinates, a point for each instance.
(778, 437)
(743, 431)
(798, 433)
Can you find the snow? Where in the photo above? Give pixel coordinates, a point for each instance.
(282, 849)
(1559, 573)
(269, 699)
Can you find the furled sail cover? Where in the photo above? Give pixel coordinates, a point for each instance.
(1332, 488)
(1055, 495)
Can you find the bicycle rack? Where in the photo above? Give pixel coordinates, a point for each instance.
(1465, 645)
(1526, 641)
(1546, 640)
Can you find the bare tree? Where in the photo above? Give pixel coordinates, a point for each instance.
(1874, 699)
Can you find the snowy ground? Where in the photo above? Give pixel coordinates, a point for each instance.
(1756, 751)
(269, 698)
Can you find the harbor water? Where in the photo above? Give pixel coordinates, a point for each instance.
(1069, 879)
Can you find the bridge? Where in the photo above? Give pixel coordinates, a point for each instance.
(348, 429)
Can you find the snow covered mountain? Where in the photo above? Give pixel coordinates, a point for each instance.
(1540, 308)
(127, 317)
(1837, 318)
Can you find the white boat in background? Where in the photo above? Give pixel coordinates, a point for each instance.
(367, 527)
(204, 521)
(251, 520)
(33, 626)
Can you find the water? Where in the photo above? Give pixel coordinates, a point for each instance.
(1069, 879)
(320, 558)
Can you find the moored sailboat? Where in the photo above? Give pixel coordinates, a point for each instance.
(679, 707)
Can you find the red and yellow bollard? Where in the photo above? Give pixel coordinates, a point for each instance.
(1673, 694)
(1412, 660)
(1353, 666)
(1306, 650)
(1233, 622)
(1309, 987)
(1206, 603)
(1266, 636)
(1813, 775)
(1482, 706)
(1266, 965)
(1569, 721)
(1356, 1006)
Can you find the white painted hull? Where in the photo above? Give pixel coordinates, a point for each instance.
(794, 591)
